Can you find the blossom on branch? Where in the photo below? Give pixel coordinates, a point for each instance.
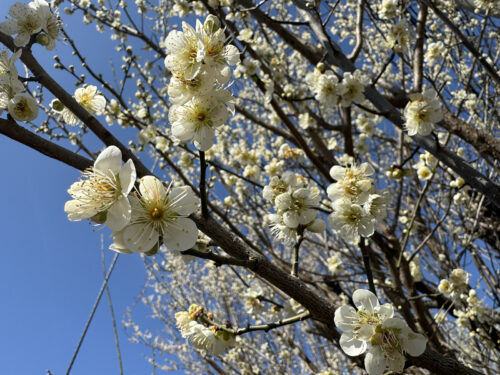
(422, 112)
(373, 329)
(102, 192)
(159, 214)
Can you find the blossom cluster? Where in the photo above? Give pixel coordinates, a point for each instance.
(195, 326)
(295, 204)
(140, 221)
(357, 207)
(374, 329)
(20, 105)
(37, 19)
(456, 284)
(330, 92)
(426, 166)
(198, 60)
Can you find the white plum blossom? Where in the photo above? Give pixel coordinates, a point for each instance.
(389, 345)
(192, 50)
(295, 205)
(8, 70)
(358, 327)
(353, 183)
(334, 263)
(23, 107)
(209, 339)
(25, 21)
(351, 89)
(398, 36)
(89, 98)
(181, 90)
(159, 214)
(357, 207)
(216, 55)
(434, 52)
(102, 192)
(198, 118)
(388, 9)
(327, 90)
(374, 330)
(8, 92)
(50, 24)
(422, 112)
(183, 55)
(351, 221)
(376, 205)
(198, 59)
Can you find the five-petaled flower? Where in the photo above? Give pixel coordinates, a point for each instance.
(159, 214)
(102, 192)
(373, 328)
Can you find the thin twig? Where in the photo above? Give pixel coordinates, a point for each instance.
(111, 310)
(203, 186)
(366, 261)
(94, 308)
(295, 256)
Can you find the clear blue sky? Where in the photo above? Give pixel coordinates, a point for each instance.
(50, 268)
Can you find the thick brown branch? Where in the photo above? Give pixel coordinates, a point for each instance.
(485, 143)
(90, 121)
(16, 132)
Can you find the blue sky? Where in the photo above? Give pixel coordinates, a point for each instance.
(50, 268)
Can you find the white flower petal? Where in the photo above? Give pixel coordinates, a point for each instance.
(204, 138)
(140, 237)
(118, 244)
(186, 202)
(152, 189)
(337, 172)
(127, 176)
(365, 300)
(346, 318)
(415, 344)
(291, 219)
(352, 346)
(21, 39)
(180, 235)
(386, 311)
(9, 27)
(119, 213)
(109, 161)
(74, 210)
(375, 362)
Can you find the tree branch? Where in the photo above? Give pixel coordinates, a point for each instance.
(16, 132)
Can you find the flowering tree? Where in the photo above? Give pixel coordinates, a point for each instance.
(315, 157)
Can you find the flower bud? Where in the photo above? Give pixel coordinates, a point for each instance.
(42, 39)
(211, 24)
(99, 218)
(57, 105)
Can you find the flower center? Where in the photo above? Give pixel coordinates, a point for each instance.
(20, 107)
(201, 116)
(156, 213)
